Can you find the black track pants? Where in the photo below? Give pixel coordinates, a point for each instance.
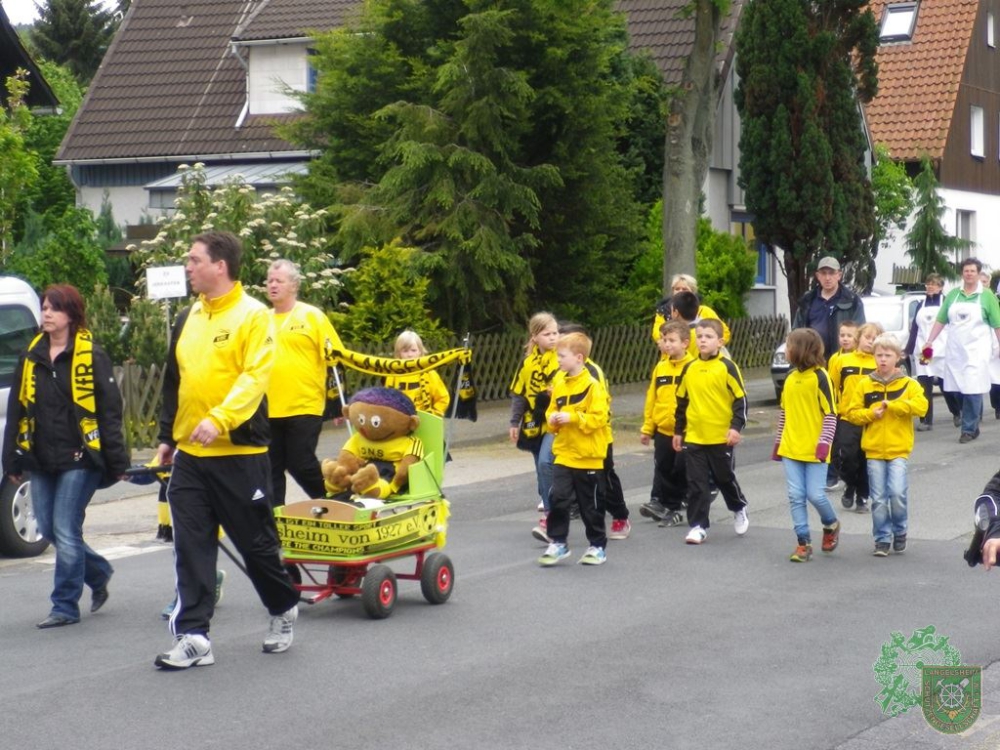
(234, 492)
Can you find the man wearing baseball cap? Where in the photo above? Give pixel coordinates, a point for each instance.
(828, 304)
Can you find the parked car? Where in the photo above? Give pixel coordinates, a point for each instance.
(895, 314)
(20, 316)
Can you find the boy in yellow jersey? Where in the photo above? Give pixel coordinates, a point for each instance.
(614, 495)
(578, 417)
(848, 457)
(847, 337)
(666, 500)
(711, 414)
(885, 403)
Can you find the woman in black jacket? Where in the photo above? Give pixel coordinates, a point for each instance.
(64, 424)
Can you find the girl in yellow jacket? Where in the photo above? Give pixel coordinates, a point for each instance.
(425, 389)
(884, 404)
(531, 391)
(806, 425)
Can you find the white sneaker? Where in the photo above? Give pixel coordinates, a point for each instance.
(741, 521)
(189, 650)
(279, 638)
(553, 554)
(696, 535)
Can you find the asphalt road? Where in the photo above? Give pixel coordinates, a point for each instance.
(726, 645)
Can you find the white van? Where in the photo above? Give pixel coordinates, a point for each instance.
(20, 316)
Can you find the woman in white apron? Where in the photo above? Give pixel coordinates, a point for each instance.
(931, 372)
(972, 315)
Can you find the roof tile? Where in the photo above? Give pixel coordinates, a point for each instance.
(919, 80)
(170, 87)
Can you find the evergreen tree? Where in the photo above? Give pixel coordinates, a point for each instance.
(75, 33)
(491, 137)
(18, 167)
(929, 246)
(53, 191)
(803, 69)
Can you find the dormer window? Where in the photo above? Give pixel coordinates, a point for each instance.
(898, 22)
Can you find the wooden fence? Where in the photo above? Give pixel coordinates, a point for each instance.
(626, 352)
(142, 392)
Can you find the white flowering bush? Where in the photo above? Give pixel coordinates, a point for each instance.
(271, 225)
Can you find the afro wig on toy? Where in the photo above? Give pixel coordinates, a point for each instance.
(389, 397)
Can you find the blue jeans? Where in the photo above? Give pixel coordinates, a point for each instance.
(543, 468)
(60, 502)
(972, 412)
(807, 481)
(889, 489)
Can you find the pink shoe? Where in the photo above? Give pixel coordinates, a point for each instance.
(539, 532)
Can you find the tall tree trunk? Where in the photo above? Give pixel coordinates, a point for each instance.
(690, 129)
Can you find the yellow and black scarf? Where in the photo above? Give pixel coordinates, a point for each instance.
(82, 388)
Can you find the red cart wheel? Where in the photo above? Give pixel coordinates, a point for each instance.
(378, 592)
(437, 579)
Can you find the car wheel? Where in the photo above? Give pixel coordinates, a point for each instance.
(19, 535)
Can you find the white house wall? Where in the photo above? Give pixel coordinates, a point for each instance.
(985, 229)
(272, 68)
(129, 204)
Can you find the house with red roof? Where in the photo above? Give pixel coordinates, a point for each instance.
(939, 95)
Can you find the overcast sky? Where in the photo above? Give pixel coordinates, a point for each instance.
(19, 11)
(22, 11)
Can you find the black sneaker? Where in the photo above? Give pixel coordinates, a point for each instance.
(967, 437)
(861, 506)
(881, 549)
(848, 499)
(956, 419)
(899, 543)
(673, 518)
(653, 509)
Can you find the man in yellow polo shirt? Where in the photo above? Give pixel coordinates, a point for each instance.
(296, 398)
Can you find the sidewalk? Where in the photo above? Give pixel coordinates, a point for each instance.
(627, 405)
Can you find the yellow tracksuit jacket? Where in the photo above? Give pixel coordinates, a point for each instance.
(891, 436)
(221, 366)
(659, 413)
(583, 443)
